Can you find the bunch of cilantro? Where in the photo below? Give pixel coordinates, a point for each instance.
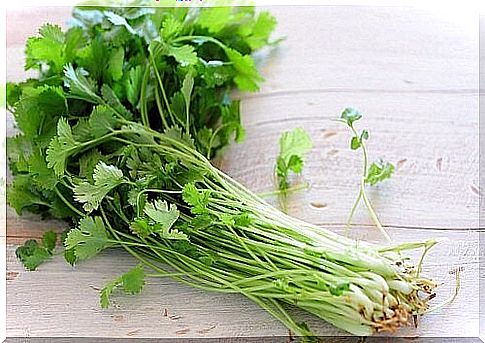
(168, 68)
(116, 136)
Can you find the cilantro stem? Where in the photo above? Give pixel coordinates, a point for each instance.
(288, 190)
(362, 193)
(160, 110)
(64, 200)
(162, 88)
(202, 39)
(143, 105)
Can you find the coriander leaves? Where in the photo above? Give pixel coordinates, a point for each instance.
(132, 282)
(33, 253)
(373, 174)
(88, 239)
(294, 145)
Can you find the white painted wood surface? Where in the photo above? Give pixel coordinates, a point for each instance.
(412, 73)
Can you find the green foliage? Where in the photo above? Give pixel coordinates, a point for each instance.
(106, 178)
(88, 239)
(132, 282)
(294, 145)
(379, 171)
(33, 253)
(373, 174)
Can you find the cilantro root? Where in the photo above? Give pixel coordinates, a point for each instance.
(123, 154)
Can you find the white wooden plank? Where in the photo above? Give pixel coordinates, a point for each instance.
(431, 138)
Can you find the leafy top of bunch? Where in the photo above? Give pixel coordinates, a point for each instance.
(171, 69)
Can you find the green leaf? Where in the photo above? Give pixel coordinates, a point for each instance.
(258, 32)
(141, 227)
(132, 283)
(162, 213)
(104, 295)
(48, 48)
(133, 84)
(80, 86)
(294, 143)
(101, 121)
(88, 239)
(106, 178)
(43, 176)
(134, 280)
(247, 78)
(379, 171)
(114, 102)
(32, 254)
(21, 195)
(187, 87)
(355, 143)
(37, 110)
(185, 54)
(176, 133)
(171, 27)
(49, 240)
(88, 162)
(295, 164)
(61, 147)
(198, 199)
(214, 19)
(350, 115)
(115, 66)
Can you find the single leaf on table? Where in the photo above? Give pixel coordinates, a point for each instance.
(32, 254)
(132, 282)
(379, 171)
(88, 239)
(294, 145)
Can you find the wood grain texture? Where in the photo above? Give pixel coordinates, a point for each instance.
(414, 76)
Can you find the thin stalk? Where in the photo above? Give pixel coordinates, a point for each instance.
(65, 201)
(363, 194)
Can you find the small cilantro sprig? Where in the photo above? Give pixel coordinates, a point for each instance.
(294, 145)
(132, 282)
(33, 253)
(372, 175)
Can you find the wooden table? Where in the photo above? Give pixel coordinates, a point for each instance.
(413, 73)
